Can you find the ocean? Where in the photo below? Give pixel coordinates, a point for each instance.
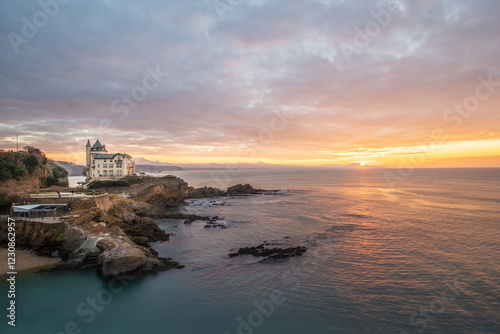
(417, 255)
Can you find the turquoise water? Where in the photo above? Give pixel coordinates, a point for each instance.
(420, 256)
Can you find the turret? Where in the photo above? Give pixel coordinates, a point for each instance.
(87, 151)
(88, 160)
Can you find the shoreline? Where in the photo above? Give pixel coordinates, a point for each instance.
(26, 262)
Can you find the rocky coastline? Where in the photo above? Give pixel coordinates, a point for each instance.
(116, 237)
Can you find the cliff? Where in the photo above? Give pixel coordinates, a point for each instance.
(27, 172)
(45, 239)
(114, 232)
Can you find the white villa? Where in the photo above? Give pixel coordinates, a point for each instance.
(104, 166)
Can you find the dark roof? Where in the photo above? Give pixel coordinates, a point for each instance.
(88, 143)
(104, 156)
(97, 146)
(110, 156)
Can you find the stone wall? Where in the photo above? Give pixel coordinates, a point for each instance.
(45, 238)
(76, 202)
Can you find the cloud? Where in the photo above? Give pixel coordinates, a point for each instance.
(224, 80)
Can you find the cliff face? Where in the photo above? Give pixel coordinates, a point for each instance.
(44, 238)
(122, 258)
(26, 172)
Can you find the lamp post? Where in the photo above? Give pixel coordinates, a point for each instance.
(17, 146)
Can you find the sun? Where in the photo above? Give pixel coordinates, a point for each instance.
(362, 163)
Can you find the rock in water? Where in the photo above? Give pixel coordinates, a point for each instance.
(241, 189)
(216, 223)
(123, 259)
(271, 253)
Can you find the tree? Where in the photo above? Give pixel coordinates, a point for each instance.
(59, 172)
(34, 150)
(52, 181)
(10, 170)
(31, 162)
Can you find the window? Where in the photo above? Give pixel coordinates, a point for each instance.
(105, 165)
(110, 173)
(118, 173)
(111, 166)
(105, 173)
(98, 165)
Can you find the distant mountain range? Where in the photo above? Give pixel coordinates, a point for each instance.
(72, 168)
(149, 166)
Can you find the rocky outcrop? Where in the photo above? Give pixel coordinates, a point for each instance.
(121, 258)
(44, 238)
(116, 241)
(204, 192)
(270, 254)
(242, 189)
(115, 233)
(215, 224)
(246, 189)
(103, 202)
(73, 238)
(161, 197)
(170, 184)
(144, 229)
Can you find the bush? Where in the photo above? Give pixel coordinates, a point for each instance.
(59, 172)
(6, 203)
(10, 170)
(108, 184)
(52, 181)
(126, 181)
(31, 162)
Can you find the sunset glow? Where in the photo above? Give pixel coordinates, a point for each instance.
(250, 166)
(264, 84)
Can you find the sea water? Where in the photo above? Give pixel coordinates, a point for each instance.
(416, 253)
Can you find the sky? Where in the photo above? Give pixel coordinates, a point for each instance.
(318, 82)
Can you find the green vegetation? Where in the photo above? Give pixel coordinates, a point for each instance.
(59, 172)
(24, 172)
(108, 184)
(31, 163)
(10, 170)
(126, 181)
